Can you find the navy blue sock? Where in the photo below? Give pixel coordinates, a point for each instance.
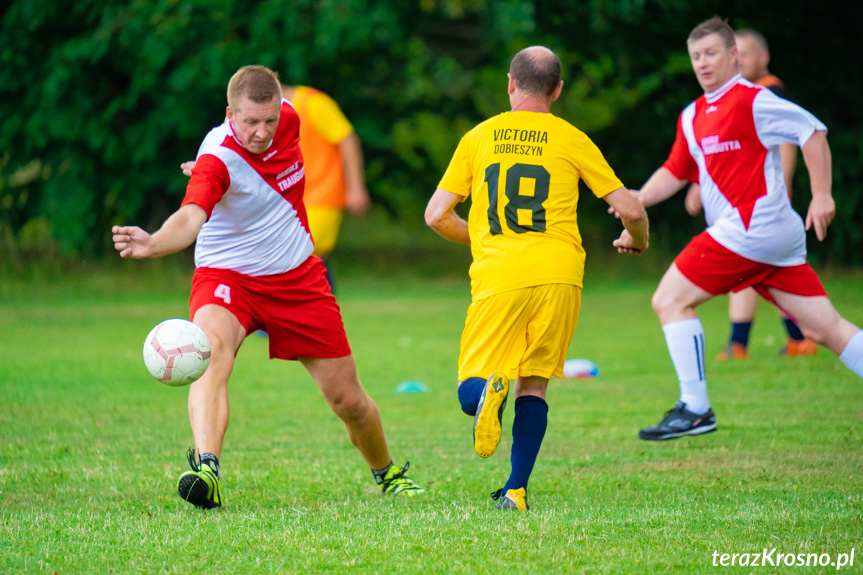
(740, 332)
(469, 392)
(330, 279)
(792, 329)
(528, 430)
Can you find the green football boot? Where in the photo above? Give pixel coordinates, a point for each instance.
(396, 482)
(200, 487)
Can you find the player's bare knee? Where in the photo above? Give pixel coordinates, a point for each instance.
(671, 306)
(660, 302)
(219, 347)
(824, 329)
(815, 336)
(350, 407)
(818, 333)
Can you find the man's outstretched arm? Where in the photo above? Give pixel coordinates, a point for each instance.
(822, 208)
(661, 186)
(178, 232)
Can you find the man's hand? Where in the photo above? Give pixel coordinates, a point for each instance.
(357, 201)
(187, 167)
(822, 209)
(132, 242)
(627, 206)
(692, 202)
(625, 244)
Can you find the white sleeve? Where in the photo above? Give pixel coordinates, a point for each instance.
(779, 121)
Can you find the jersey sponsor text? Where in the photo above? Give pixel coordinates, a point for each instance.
(292, 179)
(712, 145)
(290, 169)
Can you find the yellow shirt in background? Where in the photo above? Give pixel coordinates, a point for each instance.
(322, 127)
(521, 170)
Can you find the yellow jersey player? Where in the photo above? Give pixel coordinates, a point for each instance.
(334, 165)
(521, 170)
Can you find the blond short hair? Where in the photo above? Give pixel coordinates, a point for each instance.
(715, 25)
(257, 83)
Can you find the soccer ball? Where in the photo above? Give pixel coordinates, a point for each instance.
(176, 352)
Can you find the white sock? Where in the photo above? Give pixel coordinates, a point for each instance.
(852, 355)
(685, 341)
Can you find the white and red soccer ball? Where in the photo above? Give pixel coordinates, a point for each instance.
(176, 352)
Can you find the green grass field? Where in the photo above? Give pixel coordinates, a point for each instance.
(91, 446)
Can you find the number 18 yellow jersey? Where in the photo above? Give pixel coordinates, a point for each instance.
(521, 170)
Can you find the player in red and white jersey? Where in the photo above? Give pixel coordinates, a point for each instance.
(254, 270)
(728, 142)
(260, 227)
(753, 58)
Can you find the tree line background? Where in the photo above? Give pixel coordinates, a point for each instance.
(101, 100)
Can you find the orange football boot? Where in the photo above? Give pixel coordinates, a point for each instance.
(733, 351)
(801, 348)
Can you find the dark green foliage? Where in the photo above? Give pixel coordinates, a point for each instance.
(102, 100)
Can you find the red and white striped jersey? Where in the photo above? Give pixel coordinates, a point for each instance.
(257, 221)
(728, 142)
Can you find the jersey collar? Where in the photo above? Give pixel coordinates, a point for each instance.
(722, 90)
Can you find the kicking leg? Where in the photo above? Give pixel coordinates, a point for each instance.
(208, 396)
(208, 407)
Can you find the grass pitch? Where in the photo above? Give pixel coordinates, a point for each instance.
(91, 446)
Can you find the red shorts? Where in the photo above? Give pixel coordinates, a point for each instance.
(296, 309)
(717, 270)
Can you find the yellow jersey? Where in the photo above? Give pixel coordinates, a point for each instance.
(322, 127)
(521, 170)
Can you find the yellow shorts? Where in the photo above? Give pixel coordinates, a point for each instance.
(521, 332)
(324, 223)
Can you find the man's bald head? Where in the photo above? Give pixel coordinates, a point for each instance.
(536, 71)
(757, 37)
(753, 55)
